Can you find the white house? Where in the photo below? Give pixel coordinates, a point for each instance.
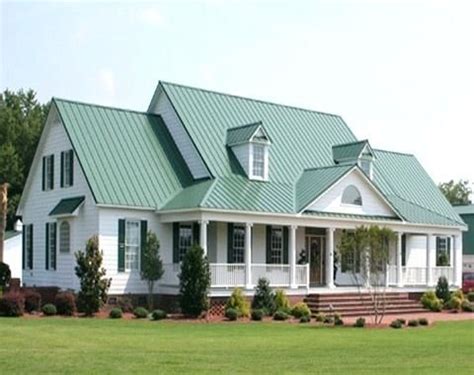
(13, 250)
(265, 189)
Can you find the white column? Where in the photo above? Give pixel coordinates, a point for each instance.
(292, 256)
(429, 240)
(457, 260)
(330, 257)
(399, 260)
(203, 235)
(248, 256)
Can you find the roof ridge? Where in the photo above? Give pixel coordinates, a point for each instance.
(351, 143)
(394, 152)
(245, 126)
(102, 106)
(328, 167)
(247, 98)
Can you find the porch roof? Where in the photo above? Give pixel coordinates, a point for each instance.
(351, 216)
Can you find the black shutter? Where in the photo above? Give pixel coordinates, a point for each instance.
(46, 247)
(52, 172)
(269, 244)
(196, 233)
(53, 247)
(121, 245)
(175, 242)
(43, 186)
(449, 251)
(230, 243)
(23, 243)
(143, 239)
(62, 169)
(404, 250)
(30, 253)
(285, 245)
(71, 168)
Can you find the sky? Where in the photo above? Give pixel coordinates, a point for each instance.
(400, 73)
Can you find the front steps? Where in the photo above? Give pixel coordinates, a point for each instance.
(360, 304)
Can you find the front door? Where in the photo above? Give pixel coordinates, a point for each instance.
(315, 247)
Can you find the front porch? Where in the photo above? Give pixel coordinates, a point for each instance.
(301, 259)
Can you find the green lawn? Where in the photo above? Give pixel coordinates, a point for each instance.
(57, 345)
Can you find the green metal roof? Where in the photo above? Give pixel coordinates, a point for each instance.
(468, 236)
(350, 216)
(128, 157)
(10, 234)
(464, 209)
(348, 151)
(241, 134)
(67, 206)
(314, 182)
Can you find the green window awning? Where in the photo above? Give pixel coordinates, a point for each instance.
(67, 206)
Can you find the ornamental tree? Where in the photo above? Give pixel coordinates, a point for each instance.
(94, 285)
(151, 265)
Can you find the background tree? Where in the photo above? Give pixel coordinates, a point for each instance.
(369, 245)
(151, 265)
(194, 282)
(457, 193)
(94, 285)
(21, 122)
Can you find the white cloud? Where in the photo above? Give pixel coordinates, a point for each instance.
(151, 16)
(106, 79)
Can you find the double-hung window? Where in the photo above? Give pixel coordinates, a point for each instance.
(185, 240)
(238, 244)
(64, 237)
(276, 243)
(132, 245)
(258, 164)
(67, 172)
(50, 245)
(48, 172)
(28, 246)
(443, 251)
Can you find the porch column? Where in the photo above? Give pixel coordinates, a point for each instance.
(429, 240)
(399, 260)
(457, 259)
(248, 255)
(203, 235)
(292, 256)
(330, 257)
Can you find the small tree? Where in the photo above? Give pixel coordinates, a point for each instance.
(264, 297)
(194, 282)
(370, 246)
(151, 265)
(442, 289)
(94, 285)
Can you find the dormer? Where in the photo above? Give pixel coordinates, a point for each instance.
(359, 153)
(250, 145)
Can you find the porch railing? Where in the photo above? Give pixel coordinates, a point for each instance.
(416, 276)
(225, 275)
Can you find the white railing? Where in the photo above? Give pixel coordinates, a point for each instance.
(416, 276)
(224, 275)
(170, 276)
(392, 275)
(447, 272)
(302, 275)
(277, 274)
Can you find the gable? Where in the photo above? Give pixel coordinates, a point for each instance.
(373, 203)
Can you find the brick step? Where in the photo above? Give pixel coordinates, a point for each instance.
(363, 308)
(350, 299)
(369, 313)
(356, 294)
(358, 303)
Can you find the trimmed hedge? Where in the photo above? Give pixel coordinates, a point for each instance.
(158, 315)
(257, 314)
(300, 309)
(140, 313)
(115, 313)
(413, 323)
(65, 303)
(49, 309)
(396, 324)
(232, 314)
(359, 323)
(280, 315)
(423, 322)
(12, 304)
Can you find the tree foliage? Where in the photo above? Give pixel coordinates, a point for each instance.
(151, 265)
(194, 282)
(457, 193)
(22, 119)
(94, 285)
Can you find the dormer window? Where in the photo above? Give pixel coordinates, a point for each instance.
(366, 166)
(250, 144)
(359, 153)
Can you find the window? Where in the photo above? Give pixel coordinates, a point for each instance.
(238, 244)
(366, 166)
(185, 240)
(64, 237)
(258, 164)
(443, 251)
(276, 249)
(351, 195)
(50, 251)
(67, 173)
(28, 251)
(350, 262)
(132, 244)
(48, 172)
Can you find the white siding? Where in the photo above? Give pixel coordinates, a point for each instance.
(129, 282)
(242, 153)
(38, 204)
(195, 164)
(372, 203)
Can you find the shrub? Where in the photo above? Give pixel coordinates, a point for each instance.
(396, 324)
(194, 282)
(140, 313)
(280, 315)
(49, 309)
(232, 314)
(257, 314)
(305, 319)
(5, 275)
(403, 321)
(442, 289)
(458, 294)
(454, 303)
(430, 301)
(238, 302)
(328, 320)
(65, 303)
(470, 296)
(115, 313)
(300, 309)
(359, 323)
(32, 301)
(264, 297)
(158, 315)
(320, 317)
(338, 321)
(467, 306)
(413, 323)
(125, 304)
(281, 301)
(12, 304)
(423, 321)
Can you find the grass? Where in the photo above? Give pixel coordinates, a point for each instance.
(62, 345)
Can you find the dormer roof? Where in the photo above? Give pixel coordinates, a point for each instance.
(351, 151)
(247, 133)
